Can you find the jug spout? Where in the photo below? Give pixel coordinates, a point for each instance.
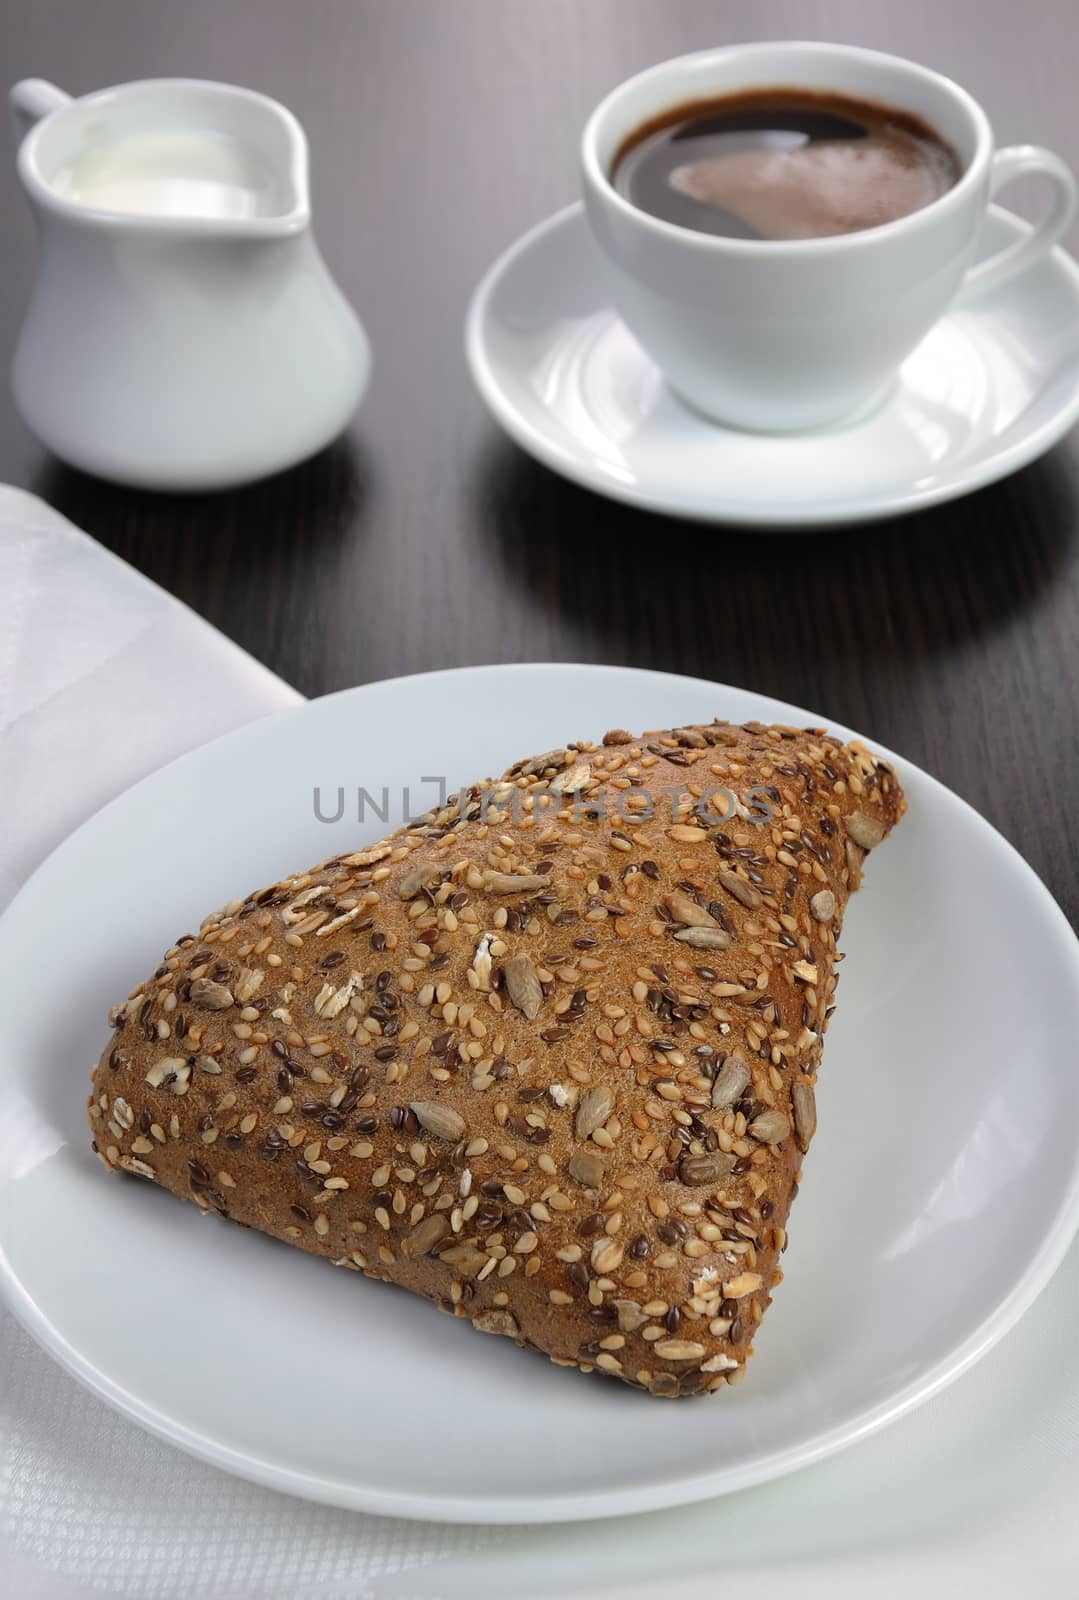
(30, 100)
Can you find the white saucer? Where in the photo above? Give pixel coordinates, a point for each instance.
(941, 1191)
(989, 389)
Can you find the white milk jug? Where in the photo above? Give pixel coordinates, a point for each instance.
(183, 331)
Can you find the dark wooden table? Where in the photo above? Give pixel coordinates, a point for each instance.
(440, 129)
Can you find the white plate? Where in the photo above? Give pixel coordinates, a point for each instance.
(989, 389)
(941, 1192)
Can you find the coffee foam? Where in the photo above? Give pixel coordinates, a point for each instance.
(819, 189)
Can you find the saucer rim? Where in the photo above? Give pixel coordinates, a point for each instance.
(984, 470)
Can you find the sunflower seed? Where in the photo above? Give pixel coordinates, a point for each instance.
(523, 985)
(697, 1170)
(606, 1255)
(578, 778)
(771, 1127)
(441, 1121)
(481, 963)
(495, 1321)
(720, 1363)
(132, 1164)
(168, 1067)
(804, 1104)
(368, 858)
(331, 1001)
(250, 982)
(208, 1064)
(630, 1315)
(339, 922)
(745, 1283)
(211, 996)
(822, 905)
(538, 764)
(465, 1257)
(806, 970)
(587, 1168)
(731, 1079)
(687, 911)
(514, 882)
(412, 882)
(296, 911)
(679, 1349)
(425, 1235)
(704, 938)
(740, 890)
(866, 831)
(595, 1107)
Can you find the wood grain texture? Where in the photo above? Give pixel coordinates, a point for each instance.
(440, 129)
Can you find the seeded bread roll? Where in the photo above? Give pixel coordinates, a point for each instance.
(546, 1057)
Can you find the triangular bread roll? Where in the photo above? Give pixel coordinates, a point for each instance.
(548, 1060)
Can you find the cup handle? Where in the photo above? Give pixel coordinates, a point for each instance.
(32, 99)
(1021, 161)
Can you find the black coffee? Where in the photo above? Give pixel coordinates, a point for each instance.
(783, 164)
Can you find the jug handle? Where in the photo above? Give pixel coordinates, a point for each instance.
(30, 100)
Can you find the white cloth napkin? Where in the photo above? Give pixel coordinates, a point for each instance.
(977, 1491)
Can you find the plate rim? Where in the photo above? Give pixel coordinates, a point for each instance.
(545, 449)
(537, 1509)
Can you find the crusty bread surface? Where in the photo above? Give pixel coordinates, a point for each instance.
(546, 1057)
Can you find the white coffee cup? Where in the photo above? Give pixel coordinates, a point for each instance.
(792, 334)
